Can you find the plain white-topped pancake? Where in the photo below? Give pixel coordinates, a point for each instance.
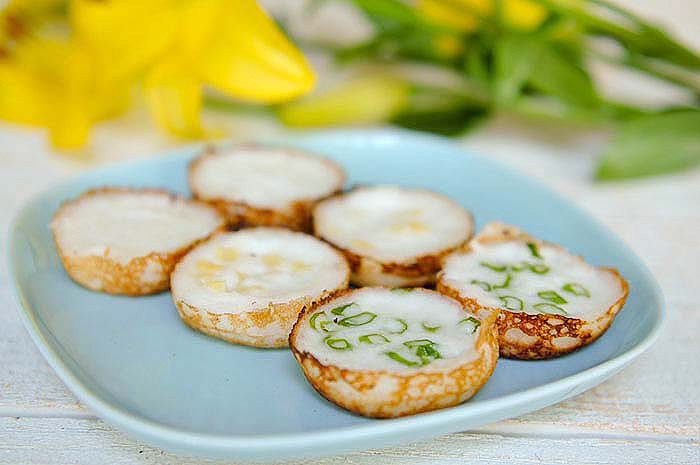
(127, 241)
(122, 224)
(264, 177)
(392, 224)
(252, 268)
(400, 331)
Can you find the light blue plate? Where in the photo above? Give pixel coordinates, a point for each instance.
(137, 366)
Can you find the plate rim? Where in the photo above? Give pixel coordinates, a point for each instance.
(297, 444)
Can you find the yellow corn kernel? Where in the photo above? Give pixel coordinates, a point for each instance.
(272, 259)
(361, 244)
(412, 226)
(216, 286)
(300, 266)
(248, 288)
(207, 267)
(226, 254)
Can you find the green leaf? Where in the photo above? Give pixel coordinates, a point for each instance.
(389, 14)
(555, 73)
(653, 144)
(513, 62)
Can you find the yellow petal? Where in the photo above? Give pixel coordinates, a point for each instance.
(174, 97)
(23, 97)
(240, 51)
(124, 35)
(370, 99)
(523, 14)
(463, 15)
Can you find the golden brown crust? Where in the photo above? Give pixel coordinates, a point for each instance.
(382, 394)
(539, 336)
(267, 327)
(141, 275)
(296, 215)
(367, 271)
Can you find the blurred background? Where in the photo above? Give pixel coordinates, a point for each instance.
(94, 81)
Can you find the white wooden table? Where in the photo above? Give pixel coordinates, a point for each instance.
(649, 413)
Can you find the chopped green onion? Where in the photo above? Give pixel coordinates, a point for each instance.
(402, 329)
(358, 320)
(337, 343)
(314, 317)
(426, 353)
(576, 289)
(396, 357)
(342, 308)
(482, 284)
(545, 307)
(534, 250)
(552, 296)
(402, 290)
(430, 329)
(523, 266)
(473, 323)
(374, 338)
(498, 268)
(505, 284)
(539, 268)
(511, 302)
(418, 342)
(323, 325)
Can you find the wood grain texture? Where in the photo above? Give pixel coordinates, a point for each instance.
(53, 441)
(649, 413)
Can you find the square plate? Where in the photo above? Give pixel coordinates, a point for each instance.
(137, 366)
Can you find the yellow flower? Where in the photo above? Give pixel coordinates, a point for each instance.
(466, 15)
(67, 81)
(233, 47)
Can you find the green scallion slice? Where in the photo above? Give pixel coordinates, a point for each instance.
(472, 323)
(511, 302)
(523, 266)
(490, 266)
(400, 326)
(552, 297)
(534, 250)
(546, 307)
(358, 320)
(342, 308)
(396, 357)
(505, 284)
(316, 316)
(337, 343)
(539, 268)
(576, 289)
(427, 353)
(430, 329)
(482, 284)
(374, 338)
(402, 290)
(418, 342)
(324, 326)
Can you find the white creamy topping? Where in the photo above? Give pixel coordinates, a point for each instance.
(123, 225)
(390, 330)
(249, 269)
(392, 224)
(509, 275)
(265, 177)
